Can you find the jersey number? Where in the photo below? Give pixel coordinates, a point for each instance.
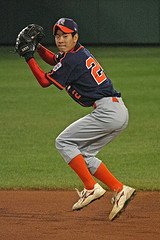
(96, 70)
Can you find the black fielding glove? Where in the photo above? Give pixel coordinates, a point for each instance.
(28, 39)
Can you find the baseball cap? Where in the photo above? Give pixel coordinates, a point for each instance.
(66, 25)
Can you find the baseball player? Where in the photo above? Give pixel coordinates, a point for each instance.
(77, 71)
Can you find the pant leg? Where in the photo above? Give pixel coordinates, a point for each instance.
(116, 118)
(90, 153)
(78, 136)
(90, 133)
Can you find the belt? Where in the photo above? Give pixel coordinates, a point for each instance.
(114, 99)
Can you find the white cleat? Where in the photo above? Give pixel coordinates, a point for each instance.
(121, 200)
(88, 196)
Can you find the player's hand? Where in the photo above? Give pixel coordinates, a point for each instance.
(28, 39)
(26, 50)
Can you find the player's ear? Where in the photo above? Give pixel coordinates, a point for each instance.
(75, 37)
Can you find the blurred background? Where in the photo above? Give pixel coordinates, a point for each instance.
(100, 21)
(124, 36)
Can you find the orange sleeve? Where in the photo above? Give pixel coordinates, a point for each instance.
(38, 73)
(48, 56)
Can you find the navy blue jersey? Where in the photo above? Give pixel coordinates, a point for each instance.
(81, 75)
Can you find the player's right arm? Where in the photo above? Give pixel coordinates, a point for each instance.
(46, 79)
(48, 56)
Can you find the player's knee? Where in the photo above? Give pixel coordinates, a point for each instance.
(58, 144)
(63, 149)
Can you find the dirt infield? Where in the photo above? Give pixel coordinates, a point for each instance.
(46, 215)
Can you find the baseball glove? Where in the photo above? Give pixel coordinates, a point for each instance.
(28, 39)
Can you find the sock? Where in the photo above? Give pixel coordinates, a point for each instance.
(79, 166)
(104, 175)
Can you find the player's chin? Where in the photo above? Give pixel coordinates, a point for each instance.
(62, 49)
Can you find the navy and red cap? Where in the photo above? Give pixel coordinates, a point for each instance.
(66, 25)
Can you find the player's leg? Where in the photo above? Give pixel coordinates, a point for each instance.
(122, 194)
(109, 120)
(79, 166)
(85, 132)
(69, 143)
(97, 168)
(92, 190)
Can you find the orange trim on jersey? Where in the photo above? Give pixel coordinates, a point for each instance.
(57, 83)
(79, 48)
(54, 81)
(72, 50)
(63, 57)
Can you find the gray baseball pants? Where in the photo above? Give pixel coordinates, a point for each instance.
(89, 134)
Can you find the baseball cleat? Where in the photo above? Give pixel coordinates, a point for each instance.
(120, 201)
(88, 196)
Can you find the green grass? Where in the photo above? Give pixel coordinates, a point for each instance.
(32, 117)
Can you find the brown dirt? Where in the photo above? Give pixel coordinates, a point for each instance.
(46, 215)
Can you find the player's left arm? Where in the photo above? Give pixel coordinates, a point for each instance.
(48, 56)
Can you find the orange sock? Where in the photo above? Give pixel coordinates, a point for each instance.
(104, 175)
(79, 166)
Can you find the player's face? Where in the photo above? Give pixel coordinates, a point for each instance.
(65, 41)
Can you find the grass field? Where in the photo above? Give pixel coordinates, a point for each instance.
(31, 117)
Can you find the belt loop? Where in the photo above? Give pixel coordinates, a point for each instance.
(114, 99)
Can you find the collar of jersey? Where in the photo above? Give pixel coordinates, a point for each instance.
(76, 48)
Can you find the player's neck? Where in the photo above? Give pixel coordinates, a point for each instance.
(75, 47)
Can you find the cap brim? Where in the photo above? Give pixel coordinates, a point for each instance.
(62, 28)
